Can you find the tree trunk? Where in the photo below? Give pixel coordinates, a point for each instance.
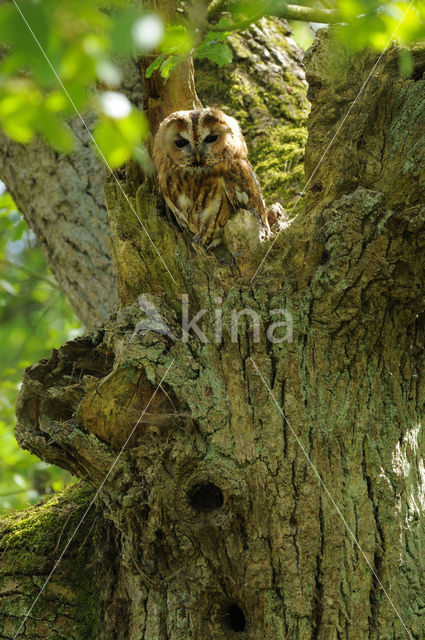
(267, 489)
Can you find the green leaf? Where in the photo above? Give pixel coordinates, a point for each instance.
(18, 131)
(219, 36)
(34, 318)
(112, 144)
(251, 8)
(78, 64)
(134, 127)
(177, 40)
(120, 32)
(350, 9)
(118, 139)
(7, 206)
(175, 47)
(57, 101)
(19, 229)
(56, 132)
(7, 286)
(218, 52)
(19, 108)
(169, 64)
(26, 51)
(155, 65)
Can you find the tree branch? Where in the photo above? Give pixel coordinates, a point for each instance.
(300, 12)
(308, 14)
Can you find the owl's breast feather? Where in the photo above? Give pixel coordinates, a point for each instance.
(183, 202)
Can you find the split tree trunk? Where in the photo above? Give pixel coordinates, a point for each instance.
(213, 519)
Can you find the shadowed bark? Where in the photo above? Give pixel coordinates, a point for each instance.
(221, 528)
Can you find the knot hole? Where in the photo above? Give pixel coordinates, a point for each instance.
(206, 497)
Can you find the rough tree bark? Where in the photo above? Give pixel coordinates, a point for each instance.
(212, 523)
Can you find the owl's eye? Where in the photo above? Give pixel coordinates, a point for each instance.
(181, 142)
(210, 139)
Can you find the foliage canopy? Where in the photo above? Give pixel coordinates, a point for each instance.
(60, 58)
(34, 318)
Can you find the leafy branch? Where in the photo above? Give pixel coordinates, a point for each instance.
(212, 47)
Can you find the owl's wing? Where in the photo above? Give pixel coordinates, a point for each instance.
(179, 215)
(243, 189)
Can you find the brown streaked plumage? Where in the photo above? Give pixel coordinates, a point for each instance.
(203, 172)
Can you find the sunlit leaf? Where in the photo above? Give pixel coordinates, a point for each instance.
(78, 64)
(57, 133)
(56, 101)
(169, 64)
(114, 148)
(134, 127)
(350, 9)
(119, 138)
(41, 293)
(7, 286)
(218, 52)
(177, 39)
(7, 206)
(18, 131)
(155, 65)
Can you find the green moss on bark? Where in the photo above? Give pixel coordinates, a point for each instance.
(40, 525)
(31, 542)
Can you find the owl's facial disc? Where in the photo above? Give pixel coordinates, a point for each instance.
(197, 141)
(213, 137)
(181, 142)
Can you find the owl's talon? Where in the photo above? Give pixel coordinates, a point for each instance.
(200, 250)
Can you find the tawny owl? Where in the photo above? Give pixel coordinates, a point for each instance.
(203, 172)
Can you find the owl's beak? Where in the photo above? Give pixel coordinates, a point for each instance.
(198, 157)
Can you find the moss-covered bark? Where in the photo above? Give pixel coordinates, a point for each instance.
(220, 527)
(30, 543)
